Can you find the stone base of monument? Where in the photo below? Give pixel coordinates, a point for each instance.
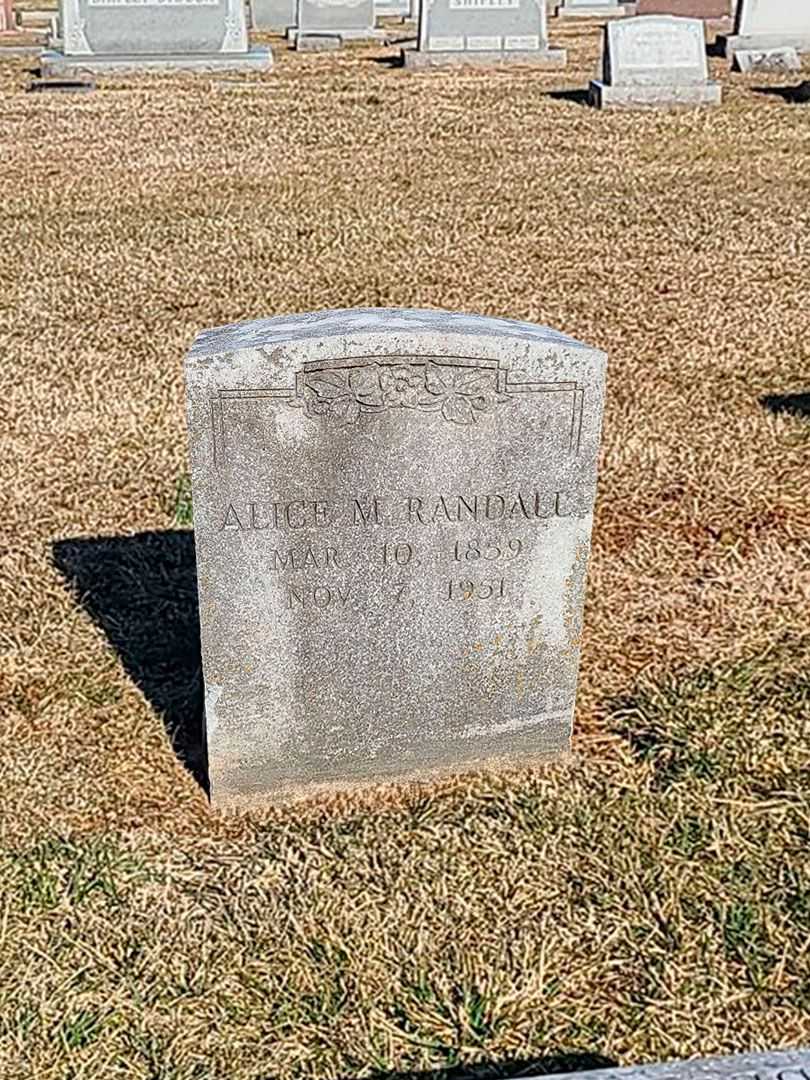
(371, 35)
(422, 58)
(594, 11)
(53, 62)
(603, 96)
(317, 42)
(734, 43)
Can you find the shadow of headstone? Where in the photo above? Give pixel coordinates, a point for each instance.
(792, 404)
(794, 95)
(142, 591)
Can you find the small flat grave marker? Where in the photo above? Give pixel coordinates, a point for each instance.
(341, 20)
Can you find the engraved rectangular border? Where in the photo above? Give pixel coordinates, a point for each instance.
(507, 382)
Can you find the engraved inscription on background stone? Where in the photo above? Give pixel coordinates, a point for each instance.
(660, 48)
(152, 3)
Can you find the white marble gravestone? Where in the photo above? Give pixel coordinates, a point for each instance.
(763, 24)
(654, 61)
(483, 32)
(400, 9)
(392, 516)
(277, 15)
(590, 9)
(139, 34)
(343, 20)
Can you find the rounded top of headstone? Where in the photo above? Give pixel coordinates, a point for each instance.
(353, 323)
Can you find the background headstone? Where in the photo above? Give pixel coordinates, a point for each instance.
(344, 19)
(590, 8)
(278, 15)
(714, 11)
(100, 34)
(392, 515)
(763, 24)
(656, 61)
(483, 32)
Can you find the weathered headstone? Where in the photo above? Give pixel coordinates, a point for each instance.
(399, 9)
(392, 513)
(710, 10)
(345, 20)
(278, 15)
(763, 24)
(483, 32)
(765, 1065)
(590, 9)
(139, 34)
(777, 58)
(654, 61)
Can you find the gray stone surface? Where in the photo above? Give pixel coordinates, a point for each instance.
(655, 61)
(781, 58)
(767, 1065)
(398, 9)
(133, 34)
(392, 514)
(483, 31)
(277, 15)
(765, 24)
(349, 19)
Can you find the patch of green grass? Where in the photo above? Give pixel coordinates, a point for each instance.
(183, 510)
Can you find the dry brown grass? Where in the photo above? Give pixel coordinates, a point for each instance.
(542, 912)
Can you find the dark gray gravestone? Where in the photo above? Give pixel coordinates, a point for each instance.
(392, 513)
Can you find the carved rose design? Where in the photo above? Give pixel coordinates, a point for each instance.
(461, 395)
(402, 385)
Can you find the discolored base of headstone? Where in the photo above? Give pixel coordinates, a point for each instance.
(602, 96)
(57, 63)
(549, 58)
(734, 43)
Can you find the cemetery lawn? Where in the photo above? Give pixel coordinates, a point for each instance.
(649, 900)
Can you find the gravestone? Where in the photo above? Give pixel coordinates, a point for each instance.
(392, 515)
(777, 58)
(764, 24)
(277, 15)
(767, 1065)
(98, 35)
(483, 32)
(712, 10)
(344, 20)
(399, 9)
(590, 9)
(654, 61)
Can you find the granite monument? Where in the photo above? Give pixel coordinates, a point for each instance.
(99, 35)
(392, 515)
(319, 21)
(654, 61)
(273, 15)
(764, 24)
(482, 32)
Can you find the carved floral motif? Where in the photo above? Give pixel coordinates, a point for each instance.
(460, 394)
